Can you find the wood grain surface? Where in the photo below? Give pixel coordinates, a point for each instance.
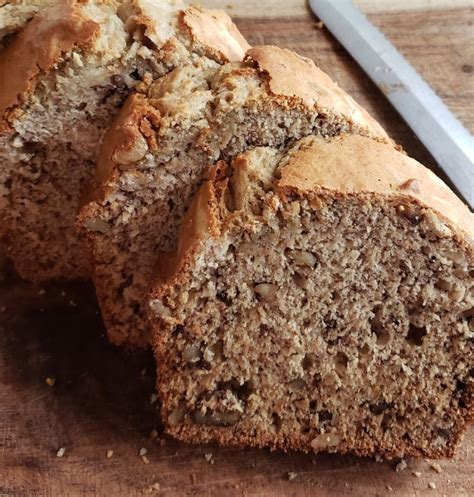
(282, 8)
(102, 397)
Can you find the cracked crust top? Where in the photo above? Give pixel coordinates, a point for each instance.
(75, 24)
(37, 48)
(300, 80)
(344, 165)
(292, 80)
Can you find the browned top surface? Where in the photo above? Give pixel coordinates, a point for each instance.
(359, 165)
(298, 78)
(216, 30)
(102, 402)
(37, 48)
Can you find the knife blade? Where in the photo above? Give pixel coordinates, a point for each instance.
(438, 129)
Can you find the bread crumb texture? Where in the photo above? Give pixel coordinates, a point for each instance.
(163, 141)
(314, 304)
(65, 70)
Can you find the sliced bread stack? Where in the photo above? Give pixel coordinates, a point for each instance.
(304, 285)
(320, 298)
(63, 77)
(164, 139)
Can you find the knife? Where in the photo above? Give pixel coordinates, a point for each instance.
(438, 129)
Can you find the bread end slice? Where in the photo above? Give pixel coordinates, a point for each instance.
(320, 303)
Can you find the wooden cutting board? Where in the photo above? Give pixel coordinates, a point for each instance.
(102, 397)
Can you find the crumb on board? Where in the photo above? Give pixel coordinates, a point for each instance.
(72, 303)
(436, 467)
(153, 398)
(432, 485)
(154, 434)
(109, 453)
(291, 475)
(208, 458)
(416, 473)
(50, 381)
(41, 292)
(63, 293)
(401, 466)
(389, 488)
(143, 454)
(154, 487)
(143, 372)
(319, 25)
(61, 452)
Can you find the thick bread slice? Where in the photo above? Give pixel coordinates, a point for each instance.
(166, 137)
(322, 300)
(62, 80)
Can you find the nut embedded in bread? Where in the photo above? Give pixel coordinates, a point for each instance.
(320, 299)
(164, 139)
(63, 78)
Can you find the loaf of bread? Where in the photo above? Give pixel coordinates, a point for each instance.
(320, 299)
(63, 78)
(165, 138)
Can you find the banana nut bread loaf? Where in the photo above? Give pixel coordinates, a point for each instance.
(63, 78)
(163, 141)
(320, 299)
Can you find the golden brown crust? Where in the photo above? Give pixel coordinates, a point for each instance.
(120, 141)
(199, 221)
(281, 68)
(37, 48)
(215, 30)
(297, 77)
(356, 165)
(344, 165)
(211, 28)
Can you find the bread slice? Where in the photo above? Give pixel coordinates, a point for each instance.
(320, 299)
(163, 141)
(62, 80)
